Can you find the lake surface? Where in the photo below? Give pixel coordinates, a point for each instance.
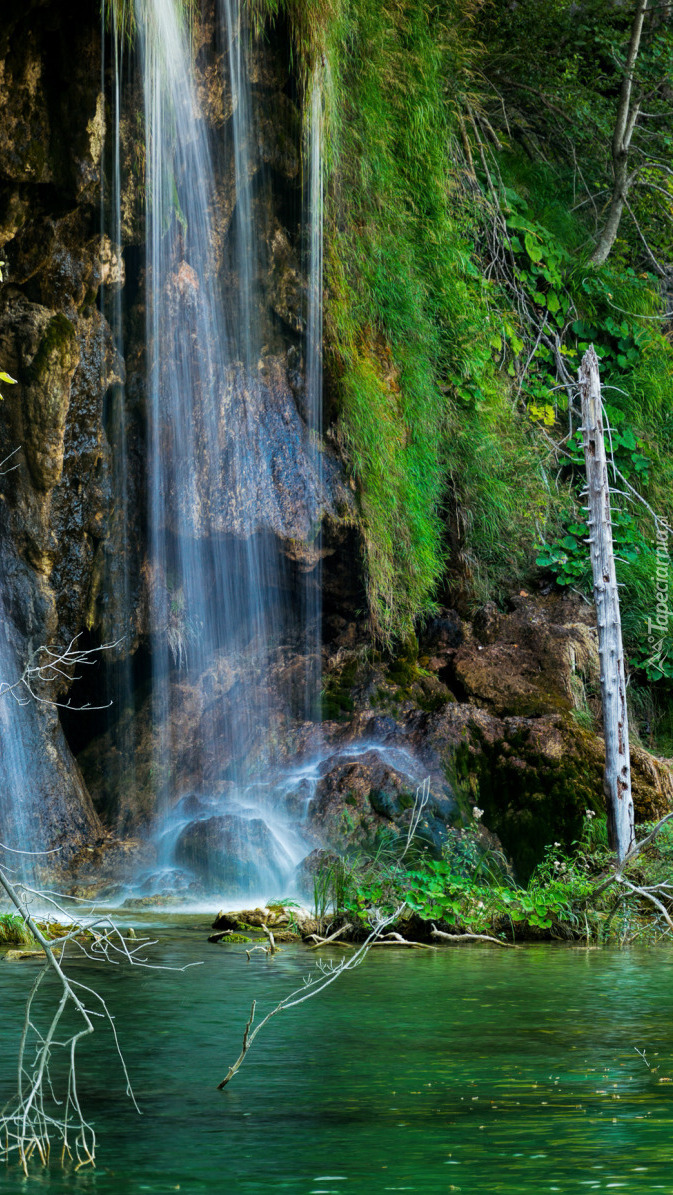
(473, 1069)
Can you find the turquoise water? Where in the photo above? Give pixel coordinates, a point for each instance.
(472, 1070)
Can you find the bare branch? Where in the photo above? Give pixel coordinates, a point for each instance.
(312, 986)
(37, 1116)
(453, 938)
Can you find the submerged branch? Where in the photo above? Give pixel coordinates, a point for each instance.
(36, 1116)
(312, 986)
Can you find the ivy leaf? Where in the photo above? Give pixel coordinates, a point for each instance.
(534, 251)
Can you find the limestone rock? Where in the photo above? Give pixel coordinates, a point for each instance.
(227, 850)
(358, 795)
(534, 661)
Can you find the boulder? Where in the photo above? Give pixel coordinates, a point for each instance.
(231, 851)
(358, 795)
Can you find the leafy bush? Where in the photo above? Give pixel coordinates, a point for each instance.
(471, 890)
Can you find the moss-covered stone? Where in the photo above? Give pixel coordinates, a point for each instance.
(337, 699)
(46, 399)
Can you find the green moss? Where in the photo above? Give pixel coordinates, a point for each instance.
(233, 939)
(422, 417)
(433, 702)
(531, 798)
(337, 701)
(58, 337)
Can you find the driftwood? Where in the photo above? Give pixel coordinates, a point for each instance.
(454, 938)
(36, 1116)
(615, 876)
(332, 938)
(264, 949)
(395, 939)
(272, 941)
(313, 985)
(617, 776)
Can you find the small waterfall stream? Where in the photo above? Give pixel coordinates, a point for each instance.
(20, 741)
(313, 226)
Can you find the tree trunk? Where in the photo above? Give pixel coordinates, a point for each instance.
(617, 780)
(625, 123)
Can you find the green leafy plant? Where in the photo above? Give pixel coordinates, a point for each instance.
(14, 931)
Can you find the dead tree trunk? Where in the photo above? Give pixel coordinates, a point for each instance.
(617, 780)
(628, 111)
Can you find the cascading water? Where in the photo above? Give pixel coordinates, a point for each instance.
(314, 224)
(221, 600)
(20, 744)
(42, 798)
(120, 629)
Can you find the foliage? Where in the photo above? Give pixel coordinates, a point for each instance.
(421, 415)
(471, 890)
(14, 931)
(467, 159)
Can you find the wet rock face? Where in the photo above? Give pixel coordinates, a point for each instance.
(265, 475)
(55, 343)
(52, 337)
(531, 660)
(514, 727)
(53, 806)
(227, 851)
(359, 795)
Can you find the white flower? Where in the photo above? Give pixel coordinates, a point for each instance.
(477, 813)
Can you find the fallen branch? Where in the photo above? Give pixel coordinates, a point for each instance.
(420, 801)
(312, 986)
(453, 938)
(36, 1116)
(272, 941)
(395, 939)
(649, 894)
(616, 875)
(53, 666)
(247, 1042)
(332, 938)
(264, 950)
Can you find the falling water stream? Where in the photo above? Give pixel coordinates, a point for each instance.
(19, 735)
(221, 602)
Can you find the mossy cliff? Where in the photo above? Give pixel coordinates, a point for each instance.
(466, 169)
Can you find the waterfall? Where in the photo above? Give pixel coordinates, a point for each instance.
(225, 446)
(120, 629)
(313, 224)
(19, 736)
